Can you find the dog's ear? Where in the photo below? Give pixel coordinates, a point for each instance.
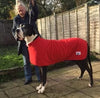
(28, 30)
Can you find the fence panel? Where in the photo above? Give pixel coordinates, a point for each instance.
(66, 25)
(53, 27)
(94, 28)
(6, 37)
(82, 27)
(48, 28)
(82, 22)
(73, 25)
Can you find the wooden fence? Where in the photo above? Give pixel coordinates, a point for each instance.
(6, 37)
(82, 22)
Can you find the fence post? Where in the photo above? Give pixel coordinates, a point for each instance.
(76, 11)
(45, 29)
(41, 25)
(63, 25)
(99, 28)
(50, 27)
(56, 29)
(87, 24)
(69, 26)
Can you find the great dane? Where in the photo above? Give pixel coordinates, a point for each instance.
(45, 52)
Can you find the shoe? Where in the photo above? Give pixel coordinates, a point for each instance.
(27, 82)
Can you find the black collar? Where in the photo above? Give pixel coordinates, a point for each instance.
(37, 35)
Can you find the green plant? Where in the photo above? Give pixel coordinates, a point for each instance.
(9, 77)
(9, 57)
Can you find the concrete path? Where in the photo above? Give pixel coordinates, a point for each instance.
(62, 83)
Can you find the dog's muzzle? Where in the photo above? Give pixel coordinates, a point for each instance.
(19, 32)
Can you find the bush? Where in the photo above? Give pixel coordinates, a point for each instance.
(9, 57)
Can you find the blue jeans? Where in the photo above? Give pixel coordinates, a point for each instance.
(27, 66)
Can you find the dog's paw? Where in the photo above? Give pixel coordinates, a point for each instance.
(41, 90)
(90, 85)
(39, 87)
(79, 78)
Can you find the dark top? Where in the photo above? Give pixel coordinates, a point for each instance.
(18, 20)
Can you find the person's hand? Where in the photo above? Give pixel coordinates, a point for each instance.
(20, 37)
(32, 1)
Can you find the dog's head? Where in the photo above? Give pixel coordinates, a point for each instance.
(25, 30)
(19, 33)
(28, 30)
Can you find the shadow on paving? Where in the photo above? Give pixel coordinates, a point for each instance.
(61, 83)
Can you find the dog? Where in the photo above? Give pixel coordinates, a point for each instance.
(75, 49)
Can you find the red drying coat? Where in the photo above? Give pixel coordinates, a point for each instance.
(43, 52)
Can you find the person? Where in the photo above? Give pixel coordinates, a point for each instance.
(23, 17)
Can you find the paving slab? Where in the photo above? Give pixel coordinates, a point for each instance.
(76, 94)
(61, 83)
(3, 95)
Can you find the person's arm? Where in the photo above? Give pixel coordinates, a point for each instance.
(16, 36)
(14, 29)
(34, 9)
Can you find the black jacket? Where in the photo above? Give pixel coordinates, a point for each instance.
(18, 20)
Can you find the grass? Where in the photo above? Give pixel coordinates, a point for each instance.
(9, 57)
(8, 77)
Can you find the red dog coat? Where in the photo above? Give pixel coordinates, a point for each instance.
(44, 52)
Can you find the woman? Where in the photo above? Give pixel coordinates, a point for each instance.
(23, 17)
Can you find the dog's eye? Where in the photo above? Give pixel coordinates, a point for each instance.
(22, 25)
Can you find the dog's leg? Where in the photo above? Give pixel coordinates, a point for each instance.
(82, 67)
(44, 78)
(39, 87)
(91, 76)
(82, 73)
(41, 76)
